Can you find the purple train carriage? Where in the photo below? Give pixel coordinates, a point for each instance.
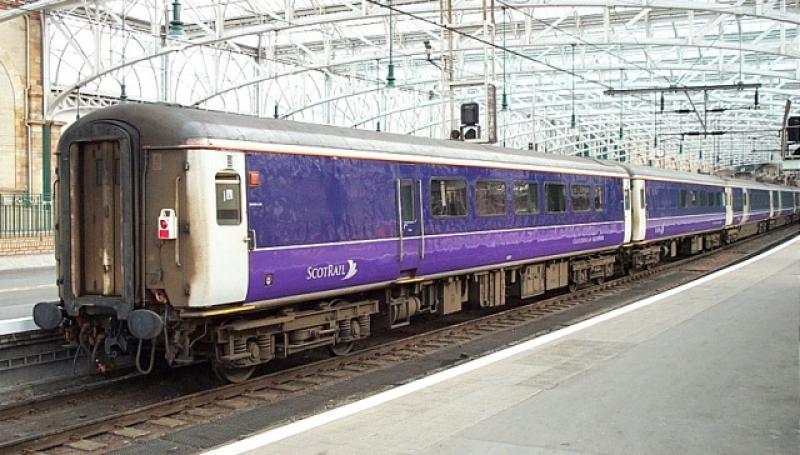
(211, 236)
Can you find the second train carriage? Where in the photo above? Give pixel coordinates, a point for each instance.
(238, 239)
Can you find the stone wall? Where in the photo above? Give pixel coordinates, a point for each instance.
(26, 245)
(21, 109)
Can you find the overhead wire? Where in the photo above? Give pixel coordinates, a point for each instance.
(486, 42)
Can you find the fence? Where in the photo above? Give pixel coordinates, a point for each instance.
(25, 215)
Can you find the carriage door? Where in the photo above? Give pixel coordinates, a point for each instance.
(728, 206)
(410, 222)
(745, 205)
(626, 201)
(100, 220)
(639, 210)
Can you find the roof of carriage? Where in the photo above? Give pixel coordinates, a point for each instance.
(162, 125)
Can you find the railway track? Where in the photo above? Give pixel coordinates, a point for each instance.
(34, 347)
(116, 430)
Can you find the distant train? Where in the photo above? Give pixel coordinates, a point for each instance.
(212, 236)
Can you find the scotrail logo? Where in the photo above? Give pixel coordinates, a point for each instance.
(346, 271)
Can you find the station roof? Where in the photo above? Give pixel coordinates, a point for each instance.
(553, 64)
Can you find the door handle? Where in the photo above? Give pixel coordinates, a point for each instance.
(251, 239)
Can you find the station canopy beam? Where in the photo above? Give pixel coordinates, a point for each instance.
(681, 89)
(325, 61)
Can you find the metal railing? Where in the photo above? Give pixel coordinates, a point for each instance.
(25, 215)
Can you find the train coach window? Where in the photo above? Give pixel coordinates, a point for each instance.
(703, 199)
(599, 198)
(684, 199)
(556, 195)
(490, 198)
(693, 198)
(448, 198)
(229, 206)
(407, 201)
(580, 197)
(627, 198)
(526, 198)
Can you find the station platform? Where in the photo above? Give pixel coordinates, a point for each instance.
(709, 367)
(20, 290)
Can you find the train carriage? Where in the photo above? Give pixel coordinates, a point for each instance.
(211, 236)
(674, 213)
(395, 220)
(783, 205)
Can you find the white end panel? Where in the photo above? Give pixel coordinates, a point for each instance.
(639, 210)
(772, 204)
(626, 205)
(745, 205)
(728, 206)
(218, 238)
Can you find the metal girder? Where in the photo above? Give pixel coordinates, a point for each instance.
(322, 61)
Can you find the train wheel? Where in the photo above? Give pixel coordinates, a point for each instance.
(341, 348)
(234, 375)
(351, 331)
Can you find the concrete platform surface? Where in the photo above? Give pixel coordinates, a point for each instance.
(713, 368)
(19, 291)
(27, 261)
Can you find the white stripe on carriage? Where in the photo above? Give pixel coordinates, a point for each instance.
(434, 236)
(613, 171)
(720, 215)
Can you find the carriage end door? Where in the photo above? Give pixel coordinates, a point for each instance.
(639, 210)
(728, 206)
(626, 201)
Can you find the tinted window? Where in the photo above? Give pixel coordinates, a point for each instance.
(448, 198)
(526, 198)
(703, 199)
(627, 198)
(407, 201)
(556, 195)
(599, 198)
(490, 198)
(229, 207)
(580, 197)
(684, 200)
(693, 198)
